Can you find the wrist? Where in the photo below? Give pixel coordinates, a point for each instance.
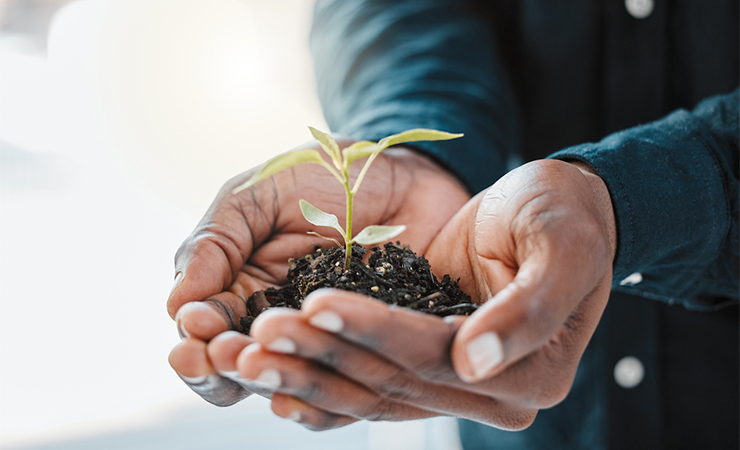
(603, 202)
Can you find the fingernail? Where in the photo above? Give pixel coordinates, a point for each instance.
(178, 280)
(484, 354)
(295, 416)
(203, 385)
(194, 380)
(178, 323)
(268, 378)
(231, 374)
(282, 345)
(327, 320)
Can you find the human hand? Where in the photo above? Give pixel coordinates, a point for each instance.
(539, 244)
(245, 240)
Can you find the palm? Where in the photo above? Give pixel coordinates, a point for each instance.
(244, 241)
(401, 188)
(538, 243)
(476, 247)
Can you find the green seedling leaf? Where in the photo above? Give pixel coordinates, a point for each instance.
(359, 149)
(282, 162)
(341, 161)
(417, 134)
(329, 145)
(320, 218)
(378, 233)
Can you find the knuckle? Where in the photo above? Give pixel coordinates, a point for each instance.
(399, 386)
(331, 359)
(435, 367)
(320, 421)
(517, 421)
(508, 417)
(555, 388)
(432, 371)
(551, 394)
(306, 384)
(378, 411)
(309, 392)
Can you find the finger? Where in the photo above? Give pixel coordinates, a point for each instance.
(554, 277)
(224, 349)
(319, 387)
(560, 254)
(223, 352)
(206, 264)
(203, 320)
(210, 259)
(288, 332)
(519, 319)
(415, 341)
(537, 381)
(544, 378)
(289, 407)
(189, 360)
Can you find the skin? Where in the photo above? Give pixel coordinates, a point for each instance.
(537, 248)
(244, 241)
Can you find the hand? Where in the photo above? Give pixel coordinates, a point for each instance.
(244, 242)
(539, 244)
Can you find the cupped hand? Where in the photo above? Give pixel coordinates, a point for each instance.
(537, 248)
(244, 241)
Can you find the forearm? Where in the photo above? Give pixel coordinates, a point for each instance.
(674, 186)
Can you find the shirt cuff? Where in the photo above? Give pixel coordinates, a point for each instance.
(670, 205)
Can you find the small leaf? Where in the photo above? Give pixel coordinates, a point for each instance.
(329, 145)
(378, 233)
(417, 134)
(320, 218)
(282, 162)
(358, 150)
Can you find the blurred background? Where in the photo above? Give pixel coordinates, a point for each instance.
(119, 121)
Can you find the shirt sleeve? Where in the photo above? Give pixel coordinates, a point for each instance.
(674, 188)
(384, 66)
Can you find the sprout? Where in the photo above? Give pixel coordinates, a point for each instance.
(341, 160)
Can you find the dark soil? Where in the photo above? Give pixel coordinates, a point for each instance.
(393, 274)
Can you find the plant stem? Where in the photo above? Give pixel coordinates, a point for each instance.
(348, 226)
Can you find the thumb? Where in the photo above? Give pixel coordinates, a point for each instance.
(206, 264)
(210, 259)
(561, 241)
(517, 320)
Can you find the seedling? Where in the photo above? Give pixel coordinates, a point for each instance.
(341, 160)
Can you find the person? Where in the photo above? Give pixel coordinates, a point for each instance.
(609, 271)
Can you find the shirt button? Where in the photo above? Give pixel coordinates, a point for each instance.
(632, 280)
(639, 9)
(629, 372)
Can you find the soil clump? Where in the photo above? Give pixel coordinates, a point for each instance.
(393, 274)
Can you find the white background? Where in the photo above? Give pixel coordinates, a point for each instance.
(116, 130)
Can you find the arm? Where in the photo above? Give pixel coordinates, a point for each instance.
(386, 66)
(674, 186)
